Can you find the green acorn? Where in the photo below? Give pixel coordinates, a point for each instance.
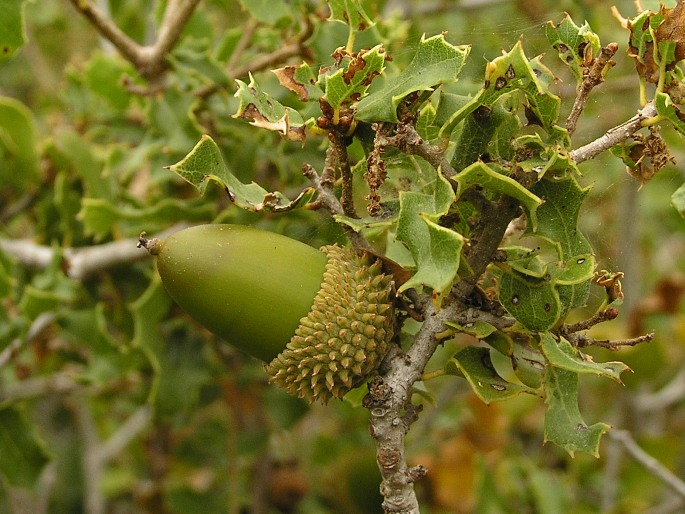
(322, 321)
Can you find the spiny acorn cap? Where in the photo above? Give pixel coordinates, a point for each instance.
(346, 334)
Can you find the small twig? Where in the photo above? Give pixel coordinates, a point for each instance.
(129, 430)
(614, 135)
(592, 77)
(340, 149)
(582, 341)
(648, 462)
(243, 44)
(599, 317)
(330, 202)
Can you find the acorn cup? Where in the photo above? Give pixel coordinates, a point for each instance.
(321, 320)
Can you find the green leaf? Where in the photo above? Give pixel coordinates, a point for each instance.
(267, 11)
(475, 365)
(485, 176)
(351, 13)
(573, 43)
(665, 107)
(351, 81)
(436, 250)
(12, 32)
(577, 269)
(563, 355)
(678, 200)
(525, 261)
(266, 112)
(436, 62)
(558, 216)
(18, 154)
(533, 302)
(205, 163)
(100, 216)
(23, 453)
(564, 426)
(478, 329)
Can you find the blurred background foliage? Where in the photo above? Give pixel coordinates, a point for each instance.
(128, 407)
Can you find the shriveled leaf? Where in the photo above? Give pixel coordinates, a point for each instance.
(564, 426)
(23, 453)
(266, 112)
(483, 175)
(351, 81)
(562, 355)
(12, 32)
(574, 44)
(350, 12)
(474, 364)
(205, 164)
(533, 302)
(436, 62)
(301, 80)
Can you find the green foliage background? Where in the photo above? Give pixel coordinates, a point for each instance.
(82, 163)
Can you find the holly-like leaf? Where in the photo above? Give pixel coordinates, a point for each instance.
(350, 12)
(564, 426)
(577, 269)
(533, 302)
(266, 112)
(12, 32)
(575, 45)
(558, 216)
(23, 453)
(525, 261)
(563, 355)
(488, 178)
(350, 82)
(436, 62)
(205, 164)
(436, 250)
(474, 364)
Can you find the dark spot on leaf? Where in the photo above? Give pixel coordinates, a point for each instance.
(510, 73)
(5, 49)
(482, 114)
(515, 299)
(500, 83)
(486, 85)
(498, 387)
(581, 48)
(581, 260)
(487, 363)
(569, 58)
(562, 48)
(548, 307)
(537, 72)
(581, 427)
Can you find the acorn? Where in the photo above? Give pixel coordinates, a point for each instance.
(321, 320)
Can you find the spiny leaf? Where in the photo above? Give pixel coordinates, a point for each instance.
(573, 43)
(301, 80)
(562, 355)
(351, 81)
(266, 112)
(205, 163)
(436, 62)
(474, 364)
(564, 426)
(665, 107)
(485, 176)
(436, 250)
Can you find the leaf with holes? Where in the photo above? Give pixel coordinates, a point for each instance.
(562, 355)
(533, 302)
(574, 44)
(205, 164)
(475, 364)
(350, 12)
(564, 426)
(436, 62)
